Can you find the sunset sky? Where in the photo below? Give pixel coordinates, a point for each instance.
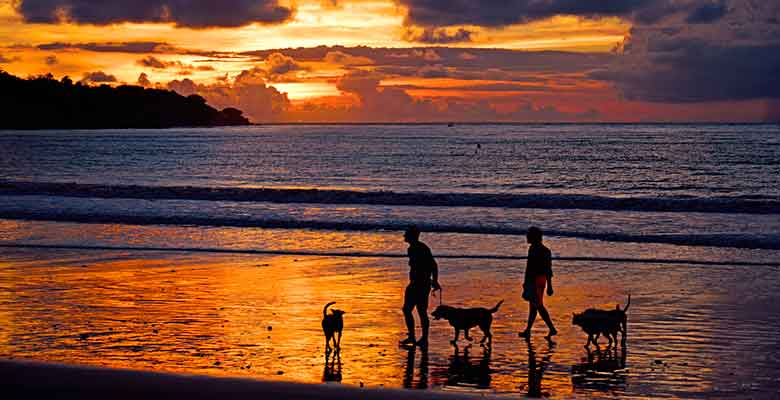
(418, 60)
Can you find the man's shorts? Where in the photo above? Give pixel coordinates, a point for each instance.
(416, 295)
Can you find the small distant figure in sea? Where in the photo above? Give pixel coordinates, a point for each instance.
(538, 274)
(478, 149)
(423, 275)
(463, 319)
(603, 322)
(332, 324)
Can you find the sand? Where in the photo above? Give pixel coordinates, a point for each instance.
(48, 380)
(695, 331)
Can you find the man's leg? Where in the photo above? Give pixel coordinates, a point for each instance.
(408, 317)
(422, 311)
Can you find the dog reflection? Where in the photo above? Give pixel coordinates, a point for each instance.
(603, 371)
(465, 370)
(422, 382)
(332, 371)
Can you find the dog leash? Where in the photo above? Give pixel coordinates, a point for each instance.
(441, 296)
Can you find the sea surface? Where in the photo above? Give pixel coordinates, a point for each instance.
(213, 250)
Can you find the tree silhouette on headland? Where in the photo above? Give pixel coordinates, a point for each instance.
(42, 102)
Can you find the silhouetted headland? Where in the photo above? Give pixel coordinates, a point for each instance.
(43, 102)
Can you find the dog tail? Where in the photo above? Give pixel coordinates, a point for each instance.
(494, 309)
(628, 303)
(325, 310)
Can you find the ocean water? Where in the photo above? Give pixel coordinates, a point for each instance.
(177, 249)
(706, 185)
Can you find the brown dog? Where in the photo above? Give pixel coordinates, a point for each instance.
(463, 319)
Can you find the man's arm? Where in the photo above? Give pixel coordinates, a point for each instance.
(435, 274)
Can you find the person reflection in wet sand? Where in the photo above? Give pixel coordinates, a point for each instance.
(423, 274)
(536, 369)
(538, 274)
(603, 370)
(464, 371)
(422, 382)
(332, 371)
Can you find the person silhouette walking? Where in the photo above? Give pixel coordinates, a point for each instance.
(423, 275)
(538, 274)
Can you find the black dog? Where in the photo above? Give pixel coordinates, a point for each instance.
(463, 319)
(332, 324)
(603, 322)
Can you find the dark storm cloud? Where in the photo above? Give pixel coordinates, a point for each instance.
(438, 36)
(183, 13)
(498, 13)
(707, 13)
(732, 52)
(698, 72)
(137, 48)
(495, 13)
(111, 47)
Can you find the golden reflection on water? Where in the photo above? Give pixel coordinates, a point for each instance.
(260, 316)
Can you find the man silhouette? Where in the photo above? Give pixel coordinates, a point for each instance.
(538, 274)
(423, 274)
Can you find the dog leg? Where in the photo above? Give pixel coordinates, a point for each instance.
(486, 335)
(338, 343)
(457, 334)
(327, 345)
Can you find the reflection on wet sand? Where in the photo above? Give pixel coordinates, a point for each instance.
(332, 371)
(537, 364)
(465, 370)
(603, 370)
(422, 377)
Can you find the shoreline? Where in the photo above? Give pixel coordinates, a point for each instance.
(65, 381)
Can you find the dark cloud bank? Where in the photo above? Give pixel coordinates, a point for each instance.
(183, 13)
(498, 13)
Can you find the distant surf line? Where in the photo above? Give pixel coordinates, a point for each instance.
(725, 205)
(703, 240)
(375, 255)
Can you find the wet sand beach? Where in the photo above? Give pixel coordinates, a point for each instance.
(36, 380)
(695, 331)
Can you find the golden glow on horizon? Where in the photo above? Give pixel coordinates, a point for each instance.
(373, 23)
(300, 91)
(369, 23)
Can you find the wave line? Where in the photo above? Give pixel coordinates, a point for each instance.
(703, 240)
(378, 255)
(736, 204)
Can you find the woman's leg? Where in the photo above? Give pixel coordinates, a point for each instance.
(541, 284)
(532, 310)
